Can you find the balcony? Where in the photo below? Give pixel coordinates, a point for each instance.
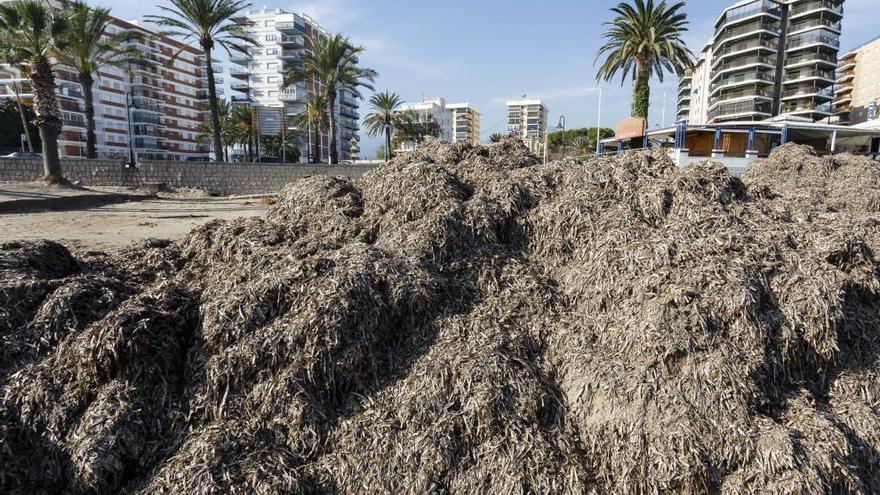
(809, 58)
(291, 53)
(147, 105)
(291, 94)
(739, 79)
(814, 23)
(807, 75)
(240, 86)
(287, 39)
(286, 26)
(742, 108)
(741, 63)
(843, 100)
(743, 93)
(753, 27)
(240, 73)
(807, 107)
(802, 9)
(765, 7)
(813, 92)
(813, 39)
(845, 78)
(762, 44)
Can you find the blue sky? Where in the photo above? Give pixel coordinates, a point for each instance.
(488, 51)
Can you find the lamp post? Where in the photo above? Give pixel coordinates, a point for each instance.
(598, 119)
(129, 104)
(561, 127)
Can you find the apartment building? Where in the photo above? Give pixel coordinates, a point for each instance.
(527, 119)
(465, 122)
(857, 91)
(285, 36)
(767, 59)
(154, 108)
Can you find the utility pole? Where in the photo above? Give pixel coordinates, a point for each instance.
(599, 122)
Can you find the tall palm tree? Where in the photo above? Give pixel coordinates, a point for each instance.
(243, 129)
(381, 120)
(314, 119)
(12, 57)
(40, 35)
(645, 40)
(89, 47)
(208, 23)
(331, 65)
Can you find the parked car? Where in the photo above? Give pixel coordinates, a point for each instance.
(269, 159)
(24, 154)
(197, 159)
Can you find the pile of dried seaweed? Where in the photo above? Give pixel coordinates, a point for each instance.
(465, 320)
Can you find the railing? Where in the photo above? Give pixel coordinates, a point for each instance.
(814, 23)
(810, 57)
(800, 9)
(820, 92)
(142, 104)
(809, 75)
(291, 53)
(809, 39)
(740, 94)
(288, 38)
(741, 62)
(748, 45)
(739, 107)
(285, 25)
(748, 28)
(824, 108)
(144, 118)
(766, 6)
(753, 76)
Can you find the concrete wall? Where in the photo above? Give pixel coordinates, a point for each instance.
(222, 178)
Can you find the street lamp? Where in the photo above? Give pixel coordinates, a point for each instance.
(561, 127)
(129, 104)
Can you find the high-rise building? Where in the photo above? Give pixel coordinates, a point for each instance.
(284, 37)
(767, 59)
(465, 123)
(527, 119)
(156, 108)
(857, 94)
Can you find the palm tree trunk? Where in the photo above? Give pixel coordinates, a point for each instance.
(86, 81)
(641, 91)
(331, 112)
(24, 123)
(212, 99)
(309, 143)
(47, 119)
(387, 143)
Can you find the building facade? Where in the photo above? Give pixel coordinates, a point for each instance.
(767, 59)
(156, 108)
(527, 119)
(284, 37)
(465, 123)
(857, 90)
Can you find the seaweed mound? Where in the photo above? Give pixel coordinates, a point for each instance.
(466, 320)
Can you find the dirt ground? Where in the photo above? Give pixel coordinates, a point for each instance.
(110, 227)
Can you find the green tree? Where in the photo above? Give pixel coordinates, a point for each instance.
(39, 32)
(381, 119)
(644, 40)
(13, 125)
(381, 153)
(332, 64)
(208, 23)
(313, 120)
(496, 137)
(409, 128)
(89, 47)
(282, 148)
(12, 58)
(583, 138)
(227, 129)
(242, 128)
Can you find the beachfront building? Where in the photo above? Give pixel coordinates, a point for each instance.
(283, 37)
(155, 109)
(527, 120)
(767, 59)
(857, 92)
(465, 122)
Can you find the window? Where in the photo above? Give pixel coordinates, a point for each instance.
(272, 79)
(272, 67)
(271, 51)
(270, 37)
(273, 94)
(269, 23)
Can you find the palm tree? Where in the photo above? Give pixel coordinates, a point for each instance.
(645, 40)
(11, 57)
(208, 23)
(496, 137)
(409, 127)
(382, 118)
(582, 146)
(314, 119)
(39, 32)
(243, 129)
(89, 47)
(206, 129)
(331, 64)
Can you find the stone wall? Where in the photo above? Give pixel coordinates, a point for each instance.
(221, 178)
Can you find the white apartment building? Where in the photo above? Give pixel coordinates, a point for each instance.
(285, 36)
(465, 122)
(527, 120)
(156, 109)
